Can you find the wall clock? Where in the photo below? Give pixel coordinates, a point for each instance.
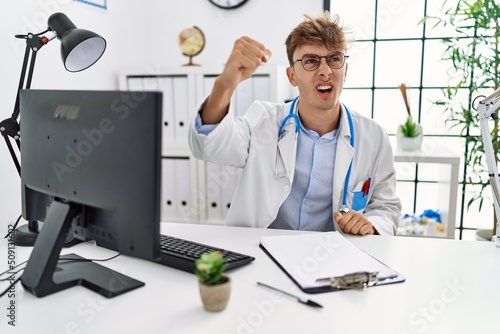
(228, 4)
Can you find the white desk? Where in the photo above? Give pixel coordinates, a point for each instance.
(451, 287)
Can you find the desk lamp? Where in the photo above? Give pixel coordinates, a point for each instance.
(487, 108)
(80, 49)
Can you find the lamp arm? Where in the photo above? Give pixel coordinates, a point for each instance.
(493, 96)
(9, 128)
(34, 42)
(487, 110)
(11, 149)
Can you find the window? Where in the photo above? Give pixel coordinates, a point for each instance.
(391, 47)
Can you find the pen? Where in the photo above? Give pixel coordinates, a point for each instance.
(366, 186)
(300, 300)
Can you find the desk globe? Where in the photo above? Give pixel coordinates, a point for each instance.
(191, 42)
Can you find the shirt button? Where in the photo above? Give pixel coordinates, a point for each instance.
(306, 203)
(315, 175)
(286, 188)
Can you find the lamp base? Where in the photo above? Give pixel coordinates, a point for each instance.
(25, 235)
(496, 239)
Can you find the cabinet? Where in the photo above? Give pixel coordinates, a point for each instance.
(446, 187)
(193, 190)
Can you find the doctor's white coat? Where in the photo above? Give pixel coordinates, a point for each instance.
(250, 142)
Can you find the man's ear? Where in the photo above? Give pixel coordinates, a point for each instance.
(291, 76)
(346, 68)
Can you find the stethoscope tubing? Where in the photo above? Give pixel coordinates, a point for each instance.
(291, 114)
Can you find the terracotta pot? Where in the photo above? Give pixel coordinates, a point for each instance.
(215, 297)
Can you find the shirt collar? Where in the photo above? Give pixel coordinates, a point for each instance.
(327, 136)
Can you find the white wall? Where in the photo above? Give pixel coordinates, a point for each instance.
(141, 36)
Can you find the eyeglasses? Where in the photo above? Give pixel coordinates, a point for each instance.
(334, 60)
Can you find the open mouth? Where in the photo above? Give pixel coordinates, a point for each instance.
(324, 89)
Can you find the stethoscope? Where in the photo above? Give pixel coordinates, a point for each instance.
(282, 132)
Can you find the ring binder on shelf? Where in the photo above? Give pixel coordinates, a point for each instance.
(326, 261)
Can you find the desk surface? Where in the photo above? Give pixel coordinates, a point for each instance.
(450, 288)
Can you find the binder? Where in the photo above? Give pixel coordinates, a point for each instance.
(135, 84)
(150, 84)
(243, 96)
(214, 193)
(228, 188)
(262, 87)
(208, 84)
(183, 179)
(326, 261)
(169, 191)
(181, 108)
(168, 132)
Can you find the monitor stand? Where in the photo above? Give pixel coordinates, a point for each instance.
(47, 273)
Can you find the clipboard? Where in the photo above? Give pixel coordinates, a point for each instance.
(326, 261)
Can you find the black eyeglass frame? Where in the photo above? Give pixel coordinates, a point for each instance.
(319, 60)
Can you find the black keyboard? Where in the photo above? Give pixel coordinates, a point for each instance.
(181, 254)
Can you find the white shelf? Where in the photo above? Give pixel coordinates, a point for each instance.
(447, 185)
(439, 155)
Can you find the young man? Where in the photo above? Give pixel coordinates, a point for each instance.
(295, 168)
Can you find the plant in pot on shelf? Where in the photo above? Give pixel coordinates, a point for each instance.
(215, 287)
(474, 63)
(409, 134)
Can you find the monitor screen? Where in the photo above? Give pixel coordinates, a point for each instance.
(90, 165)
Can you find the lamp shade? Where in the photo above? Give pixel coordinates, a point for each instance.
(80, 48)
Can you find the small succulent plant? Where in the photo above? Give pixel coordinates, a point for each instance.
(409, 128)
(210, 267)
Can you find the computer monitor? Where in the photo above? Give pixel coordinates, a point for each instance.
(90, 165)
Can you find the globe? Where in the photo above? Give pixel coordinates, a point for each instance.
(191, 42)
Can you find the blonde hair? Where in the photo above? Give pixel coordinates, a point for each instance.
(323, 29)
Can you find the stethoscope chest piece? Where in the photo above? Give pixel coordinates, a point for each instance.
(344, 210)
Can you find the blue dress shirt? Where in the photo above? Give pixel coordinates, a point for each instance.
(309, 204)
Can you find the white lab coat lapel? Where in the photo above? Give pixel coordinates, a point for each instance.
(287, 150)
(286, 153)
(343, 157)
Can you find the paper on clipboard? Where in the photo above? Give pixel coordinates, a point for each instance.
(305, 258)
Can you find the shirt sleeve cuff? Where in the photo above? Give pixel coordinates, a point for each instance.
(201, 128)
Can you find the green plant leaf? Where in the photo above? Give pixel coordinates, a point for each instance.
(410, 128)
(474, 66)
(209, 267)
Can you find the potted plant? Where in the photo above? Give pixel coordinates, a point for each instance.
(474, 69)
(215, 287)
(409, 134)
